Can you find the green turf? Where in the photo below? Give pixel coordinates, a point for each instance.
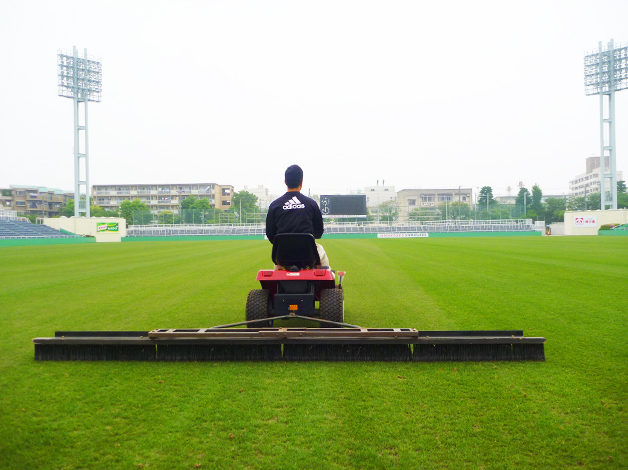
(569, 412)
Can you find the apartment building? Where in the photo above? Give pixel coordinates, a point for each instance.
(160, 197)
(38, 200)
(264, 198)
(589, 182)
(410, 199)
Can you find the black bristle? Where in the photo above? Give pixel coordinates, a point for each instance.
(218, 352)
(346, 352)
(478, 352)
(529, 352)
(94, 352)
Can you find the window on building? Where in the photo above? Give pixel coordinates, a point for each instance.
(412, 202)
(427, 198)
(20, 203)
(444, 197)
(372, 189)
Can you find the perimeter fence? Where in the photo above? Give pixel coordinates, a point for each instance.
(445, 226)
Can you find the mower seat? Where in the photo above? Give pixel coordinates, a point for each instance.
(296, 250)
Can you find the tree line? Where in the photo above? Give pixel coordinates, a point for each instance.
(193, 211)
(528, 205)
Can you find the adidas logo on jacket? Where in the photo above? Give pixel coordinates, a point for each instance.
(294, 213)
(293, 203)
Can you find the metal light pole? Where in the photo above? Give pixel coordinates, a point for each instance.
(459, 201)
(605, 72)
(81, 80)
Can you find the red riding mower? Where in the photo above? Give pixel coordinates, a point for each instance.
(293, 290)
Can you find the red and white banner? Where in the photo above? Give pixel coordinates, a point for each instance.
(588, 221)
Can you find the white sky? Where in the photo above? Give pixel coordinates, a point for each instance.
(419, 94)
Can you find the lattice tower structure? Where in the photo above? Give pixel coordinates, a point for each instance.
(80, 78)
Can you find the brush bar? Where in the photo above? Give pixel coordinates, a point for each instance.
(290, 344)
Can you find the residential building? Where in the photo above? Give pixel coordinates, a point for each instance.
(38, 200)
(264, 198)
(160, 197)
(376, 195)
(410, 199)
(589, 182)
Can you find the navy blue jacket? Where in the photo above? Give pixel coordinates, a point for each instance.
(294, 213)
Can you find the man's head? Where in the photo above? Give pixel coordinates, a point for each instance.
(294, 177)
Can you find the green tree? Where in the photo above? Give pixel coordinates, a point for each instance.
(188, 202)
(486, 193)
(621, 187)
(166, 217)
(67, 210)
(201, 204)
(577, 203)
(554, 210)
(245, 202)
(454, 210)
(594, 201)
(537, 200)
(135, 212)
(196, 211)
(97, 211)
(524, 196)
(388, 211)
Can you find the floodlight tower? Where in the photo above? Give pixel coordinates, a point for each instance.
(81, 80)
(605, 72)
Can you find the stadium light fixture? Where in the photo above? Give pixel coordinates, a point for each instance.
(81, 80)
(605, 72)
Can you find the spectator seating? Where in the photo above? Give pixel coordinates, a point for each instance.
(15, 229)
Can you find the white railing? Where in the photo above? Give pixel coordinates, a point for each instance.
(8, 215)
(445, 226)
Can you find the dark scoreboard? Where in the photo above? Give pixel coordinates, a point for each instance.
(343, 206)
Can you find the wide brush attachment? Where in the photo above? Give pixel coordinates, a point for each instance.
(460, 346)
(351, 344)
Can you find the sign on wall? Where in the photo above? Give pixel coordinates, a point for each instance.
(403, 235)
(107, 227)
(588, 221)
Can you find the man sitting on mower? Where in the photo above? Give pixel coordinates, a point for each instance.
(295, 213)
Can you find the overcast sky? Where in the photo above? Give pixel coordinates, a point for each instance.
(419, 94)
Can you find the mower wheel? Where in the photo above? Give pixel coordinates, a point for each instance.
(258, 307)
(332, 305)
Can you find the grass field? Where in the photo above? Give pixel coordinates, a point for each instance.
(568, 412)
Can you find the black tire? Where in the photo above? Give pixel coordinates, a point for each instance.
(332, 306)
(258, 307)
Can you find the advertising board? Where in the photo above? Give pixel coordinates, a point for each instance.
(107, 227)
(585, 221)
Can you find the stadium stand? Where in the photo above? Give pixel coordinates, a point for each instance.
(11, 229)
